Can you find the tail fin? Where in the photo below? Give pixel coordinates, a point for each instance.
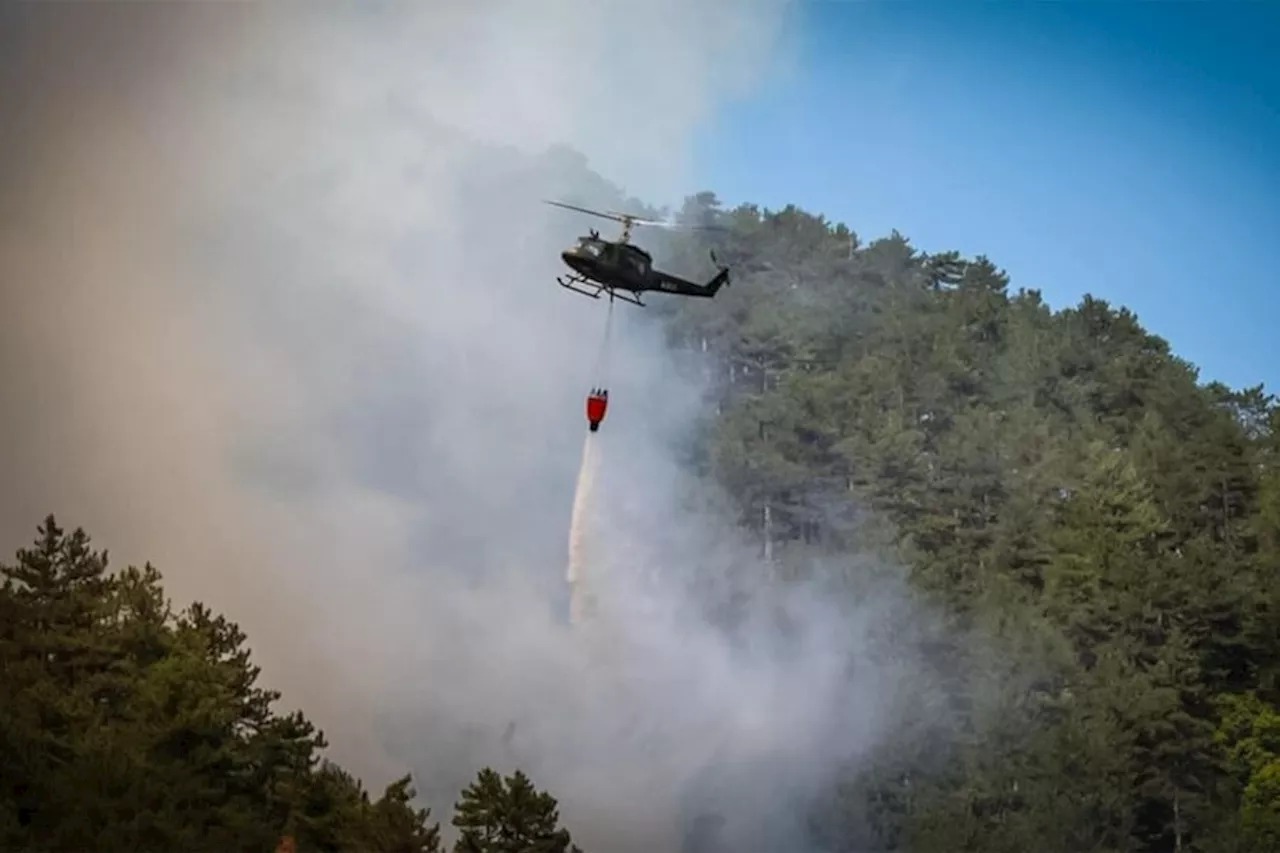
(721, 279)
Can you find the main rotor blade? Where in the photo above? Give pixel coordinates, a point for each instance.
(671, 225)
(632, 219)
(635, 219)
(616, 217)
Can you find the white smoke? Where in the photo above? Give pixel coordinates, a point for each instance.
(274, 319)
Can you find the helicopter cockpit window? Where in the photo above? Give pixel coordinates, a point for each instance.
(635, 263)
(589, 247)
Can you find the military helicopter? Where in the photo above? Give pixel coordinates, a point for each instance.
(624, 270)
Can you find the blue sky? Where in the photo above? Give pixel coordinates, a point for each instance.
(1126, 149)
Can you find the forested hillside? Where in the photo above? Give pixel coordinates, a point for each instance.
(1100, 530)
(128, 728)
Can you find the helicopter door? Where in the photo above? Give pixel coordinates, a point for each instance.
(635, 264)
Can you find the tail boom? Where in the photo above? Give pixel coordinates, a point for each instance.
(673, 284)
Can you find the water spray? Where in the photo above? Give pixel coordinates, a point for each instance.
(581, 599)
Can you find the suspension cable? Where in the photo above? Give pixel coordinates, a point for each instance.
(602, 360)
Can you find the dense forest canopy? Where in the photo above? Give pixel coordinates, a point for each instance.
(1101, 531)
(1061, 486)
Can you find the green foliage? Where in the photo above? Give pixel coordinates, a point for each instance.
(1101, 532)
(508, 815)
(127, 727)
(1249, 732)
(124, 726)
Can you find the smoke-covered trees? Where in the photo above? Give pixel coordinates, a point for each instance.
(508, 815)
(1100, 530)
(127, 727)
(1061, 485)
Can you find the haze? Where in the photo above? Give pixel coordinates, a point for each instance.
(278, 314)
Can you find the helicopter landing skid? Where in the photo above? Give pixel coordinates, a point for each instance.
(569, 282)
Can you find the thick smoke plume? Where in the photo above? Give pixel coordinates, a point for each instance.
(278, 314)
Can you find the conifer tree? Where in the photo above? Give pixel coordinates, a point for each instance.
(508, 815)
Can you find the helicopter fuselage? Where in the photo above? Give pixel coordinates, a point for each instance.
(610, 264)
(624, 271)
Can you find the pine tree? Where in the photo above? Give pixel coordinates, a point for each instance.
(508, 815)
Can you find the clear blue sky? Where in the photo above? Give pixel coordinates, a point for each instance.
(1126, 149)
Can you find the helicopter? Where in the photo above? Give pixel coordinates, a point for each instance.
(623, 269)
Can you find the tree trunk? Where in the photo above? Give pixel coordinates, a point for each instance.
(768, 531)
(1177, 822)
